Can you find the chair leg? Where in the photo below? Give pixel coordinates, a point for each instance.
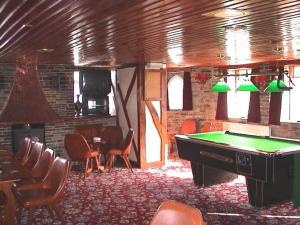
(110, 162)
(86, 167)
(97, 164)
(127, 162)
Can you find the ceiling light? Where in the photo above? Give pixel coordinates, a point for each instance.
(223, 57)
(274, 86)
(247, 86)
(235, 27)
(277, 50)
(221, 86)
(27, 25)
(226, 13)
(45, 50)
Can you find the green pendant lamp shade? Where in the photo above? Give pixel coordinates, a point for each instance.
(273, 87)
(247, 86)
(221, 86)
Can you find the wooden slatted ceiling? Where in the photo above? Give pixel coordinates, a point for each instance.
(119, 32)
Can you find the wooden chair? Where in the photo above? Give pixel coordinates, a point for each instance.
(113, 135)
(38, 172)
(24, 150)
(48, 192)
(175, 213)
(79, 150)
(188, 126)
(89, 131)
(34, 155)
(122, 152)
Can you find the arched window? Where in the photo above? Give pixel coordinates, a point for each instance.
(175, 92)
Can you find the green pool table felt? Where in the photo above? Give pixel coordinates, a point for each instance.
(259, 143)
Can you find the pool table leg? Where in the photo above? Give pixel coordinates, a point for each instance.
(255, 191)
(197, 170)
(263, 194)
(205, 176)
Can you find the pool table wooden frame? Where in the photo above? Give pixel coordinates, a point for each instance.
(269, 176)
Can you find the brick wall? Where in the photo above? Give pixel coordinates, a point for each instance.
(61, 99)
(205, 102)
(204, 106)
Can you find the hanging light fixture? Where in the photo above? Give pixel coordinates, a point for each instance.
(221, 86)
(247, 85)
(276, 86)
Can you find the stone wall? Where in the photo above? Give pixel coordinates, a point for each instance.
(60, 97)
(205, 102)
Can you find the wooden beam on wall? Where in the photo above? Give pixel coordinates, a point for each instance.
(130, 87)
(115, 100)
(141, 114)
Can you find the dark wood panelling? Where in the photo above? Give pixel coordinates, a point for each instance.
(120, 32)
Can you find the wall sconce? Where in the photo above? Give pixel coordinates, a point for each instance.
(202, 76)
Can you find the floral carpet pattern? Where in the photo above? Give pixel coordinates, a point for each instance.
(124, 198)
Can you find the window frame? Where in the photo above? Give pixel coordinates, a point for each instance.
(237, 80)
(170, 80)
(289, 119)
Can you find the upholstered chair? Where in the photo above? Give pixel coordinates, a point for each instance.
(79, 150)
(24, 150)
(48, 192)
(39, 171)
(175, 213)
(123, 152)
(34, 155)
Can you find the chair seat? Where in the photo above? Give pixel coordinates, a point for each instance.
(35, 197)
(94, 153)
(115, 151)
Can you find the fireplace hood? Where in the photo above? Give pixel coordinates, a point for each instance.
(26, 102)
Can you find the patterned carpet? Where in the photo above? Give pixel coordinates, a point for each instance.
(124, 198)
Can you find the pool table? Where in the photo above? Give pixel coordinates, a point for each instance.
(266, 162)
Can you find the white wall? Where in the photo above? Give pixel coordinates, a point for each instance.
(153, 140)
(124, 77)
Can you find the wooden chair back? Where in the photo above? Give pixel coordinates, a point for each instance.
(34, 155)
(128, 142)
(77, 147)
(44, 164)
(175, 213)
(89, 131)
(56, 178)
(188, 126)
(24, 150)
(114, 136)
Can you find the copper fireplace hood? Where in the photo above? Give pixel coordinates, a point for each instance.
(26, 102)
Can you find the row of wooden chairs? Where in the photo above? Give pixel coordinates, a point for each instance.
(48, 178)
